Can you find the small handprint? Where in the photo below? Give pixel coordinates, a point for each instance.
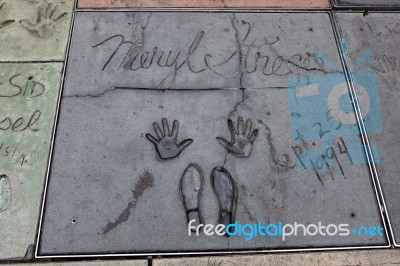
(241, 140)
(5, 22)
(166, 144)
(45, 23)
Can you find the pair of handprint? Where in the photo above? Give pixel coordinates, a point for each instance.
(167, 146)
(44, 26)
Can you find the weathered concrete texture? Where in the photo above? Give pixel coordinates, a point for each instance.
(334, 258)
(91, 263)
(367, 3)
(115, 177)
(36, 30)
(27, 106)
(203, 3)
(377, 35)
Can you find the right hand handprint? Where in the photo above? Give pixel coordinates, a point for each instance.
(241, 140)
(5, 22)
(45, 23)
(166, 144)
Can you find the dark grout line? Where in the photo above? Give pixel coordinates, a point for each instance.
(53, 132)
(209, 10)
(32, 62)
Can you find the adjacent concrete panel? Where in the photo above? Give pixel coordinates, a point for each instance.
(372, 44)
(28, 95)
(203, 3)
(92, 263)
(115, 180)
(367, 258)
(34, 30)
(367, 3)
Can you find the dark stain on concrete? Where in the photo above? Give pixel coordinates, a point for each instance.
(145, 182)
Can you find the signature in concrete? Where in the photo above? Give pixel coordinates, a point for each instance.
(20, 124)
(242, 138)
(248, 55)
(5, 22)
(166, 142)
(21, 86)
(18, 156)
(47, 19)
(323, 161)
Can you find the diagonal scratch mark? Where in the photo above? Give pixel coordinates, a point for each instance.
(145, 181)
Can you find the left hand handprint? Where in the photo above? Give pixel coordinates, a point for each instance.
(167, 144)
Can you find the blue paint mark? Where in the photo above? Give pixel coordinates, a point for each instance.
(312, 117)
(367, 54)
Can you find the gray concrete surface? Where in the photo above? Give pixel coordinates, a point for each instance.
(371, 34)
(110, 191)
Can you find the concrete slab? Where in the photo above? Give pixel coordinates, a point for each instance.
(337, 258)
(367, 3)
(37, 30)
(91, 263)
(165, 112)
(372, 45)
(27, 103)
(203, 3)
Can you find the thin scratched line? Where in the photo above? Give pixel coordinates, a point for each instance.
(196, 90)
(199, 89)
(174, 89)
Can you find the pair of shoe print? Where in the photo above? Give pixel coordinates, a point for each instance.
(224, 187)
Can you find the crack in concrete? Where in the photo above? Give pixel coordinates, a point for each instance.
(233, 21)
(242, 101)
(147, 23)
(92, 95)
(137, 40)
(100, 94)
(144, 28)
(226, 155)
